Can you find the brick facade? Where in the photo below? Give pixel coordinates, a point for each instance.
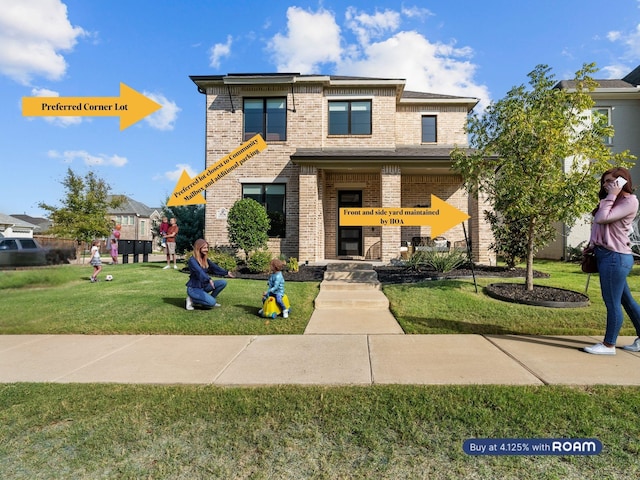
(389, 168)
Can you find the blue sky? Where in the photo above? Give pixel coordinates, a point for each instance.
(86, 48)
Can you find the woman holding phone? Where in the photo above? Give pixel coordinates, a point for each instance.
(612, 223)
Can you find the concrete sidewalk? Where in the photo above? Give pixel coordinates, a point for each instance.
(351, 339)
(313, 359)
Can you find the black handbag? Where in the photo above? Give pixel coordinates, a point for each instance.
(589, 263)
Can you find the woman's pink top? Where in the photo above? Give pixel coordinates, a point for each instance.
(612, 223)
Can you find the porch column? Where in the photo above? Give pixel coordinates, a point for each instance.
(391, 193)
(310, 222)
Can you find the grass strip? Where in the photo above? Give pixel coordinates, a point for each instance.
(56, 431)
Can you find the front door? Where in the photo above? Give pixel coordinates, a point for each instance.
(349, 238)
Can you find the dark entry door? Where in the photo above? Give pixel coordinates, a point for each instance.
(349, 238)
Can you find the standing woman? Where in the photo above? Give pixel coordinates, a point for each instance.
(201, 289)
(612, 223)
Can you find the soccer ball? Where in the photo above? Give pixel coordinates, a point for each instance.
(108, 278)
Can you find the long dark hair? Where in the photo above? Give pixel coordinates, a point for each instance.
(616, 172)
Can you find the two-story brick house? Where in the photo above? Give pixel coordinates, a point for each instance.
(619, 102)
(336, 141)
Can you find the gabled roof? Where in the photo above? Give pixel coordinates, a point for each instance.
(602, 85)
(129, 207)
(204, 81)
(633, 77)
(14, 222)
(41, 224)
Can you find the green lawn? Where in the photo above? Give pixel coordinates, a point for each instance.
(453, 306)
(382, 432)
(52, 431)
(145, 299)
(142, 299)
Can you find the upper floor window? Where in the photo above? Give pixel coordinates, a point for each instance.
(352, 117)
(273, 197)
(429, 129)
(605, 114)
(266, 116)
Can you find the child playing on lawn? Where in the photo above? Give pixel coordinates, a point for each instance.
(114, 250)
(95, 260)
(276, 286)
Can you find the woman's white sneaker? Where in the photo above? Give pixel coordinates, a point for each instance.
(634, 347)
(600, 349)
(189, 305)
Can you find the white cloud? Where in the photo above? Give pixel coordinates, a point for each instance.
(165, 118)
(367, 26)
(427, 67)
(315, 38)
(312, 39)
(613, 36)
(174, 175)
(220, 50)
(57, 121)
(417, 12)
(69, 156)
(629, 43)
(32, 35)
(614, 71)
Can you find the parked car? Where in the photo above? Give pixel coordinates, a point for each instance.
(20, 252)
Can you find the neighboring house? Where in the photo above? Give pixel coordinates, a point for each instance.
(42, 225)
(619, 100)
(336, 141)
(136, 220)
(14, 227)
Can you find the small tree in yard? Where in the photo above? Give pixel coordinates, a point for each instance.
(248, 225)
(190, 220)
(537, 156)
(83, 214)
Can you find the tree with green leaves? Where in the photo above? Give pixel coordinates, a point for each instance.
(537, 154)
(248, 225)
(83, 214)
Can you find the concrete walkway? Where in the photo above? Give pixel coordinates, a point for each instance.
(351, 339)
(351, 302)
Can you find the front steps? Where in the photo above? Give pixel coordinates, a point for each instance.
(351, 302)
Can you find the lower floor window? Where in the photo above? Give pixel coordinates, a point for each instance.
(273, 197)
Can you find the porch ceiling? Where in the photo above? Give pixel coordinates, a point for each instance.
(410, 160)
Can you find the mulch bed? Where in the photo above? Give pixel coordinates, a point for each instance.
(509, 291)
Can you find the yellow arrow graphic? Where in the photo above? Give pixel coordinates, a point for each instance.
(441, 217)
(189, 190)
(131, 106)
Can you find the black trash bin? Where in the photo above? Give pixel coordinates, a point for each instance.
(142, 247)
(126, 248)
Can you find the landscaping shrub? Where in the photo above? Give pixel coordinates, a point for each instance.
(292, 265)
(442, 262)
(248, 224)
(220, 256)
(258, 261)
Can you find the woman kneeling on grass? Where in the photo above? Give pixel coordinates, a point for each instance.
(201, 289)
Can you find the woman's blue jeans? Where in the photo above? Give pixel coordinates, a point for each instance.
(614, 268)
(206, 296)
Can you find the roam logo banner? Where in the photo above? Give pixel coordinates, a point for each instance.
(440, 216)
(189, 190)
(532, 446)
